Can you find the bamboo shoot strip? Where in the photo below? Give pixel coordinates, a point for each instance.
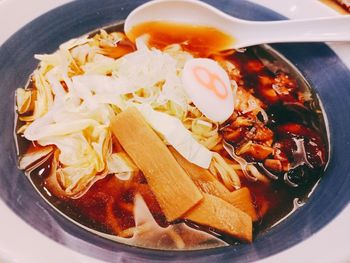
(242, 200)
(207, 183)
(174, 190)
(204, 180)
(219, 214)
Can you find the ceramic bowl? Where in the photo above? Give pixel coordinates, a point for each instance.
(318, 64)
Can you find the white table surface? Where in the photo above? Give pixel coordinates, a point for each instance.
(21, 243)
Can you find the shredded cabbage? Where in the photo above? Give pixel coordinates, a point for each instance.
(177, 135)
(121, 166)
(79, 88)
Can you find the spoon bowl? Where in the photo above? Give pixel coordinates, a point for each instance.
(245, 33)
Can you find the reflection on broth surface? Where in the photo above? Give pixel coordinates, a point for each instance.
(85, 101)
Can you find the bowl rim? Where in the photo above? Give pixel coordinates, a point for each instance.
(286, 49)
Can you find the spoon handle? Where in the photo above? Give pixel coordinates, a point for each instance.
(308, 30)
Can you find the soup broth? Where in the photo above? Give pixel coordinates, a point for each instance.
(275, 141)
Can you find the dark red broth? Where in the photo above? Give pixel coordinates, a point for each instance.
(294, 120)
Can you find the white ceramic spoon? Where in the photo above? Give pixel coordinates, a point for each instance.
(246, 33)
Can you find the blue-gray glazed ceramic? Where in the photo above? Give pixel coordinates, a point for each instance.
(319, 65)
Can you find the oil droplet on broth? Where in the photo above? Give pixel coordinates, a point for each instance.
(200, 40)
